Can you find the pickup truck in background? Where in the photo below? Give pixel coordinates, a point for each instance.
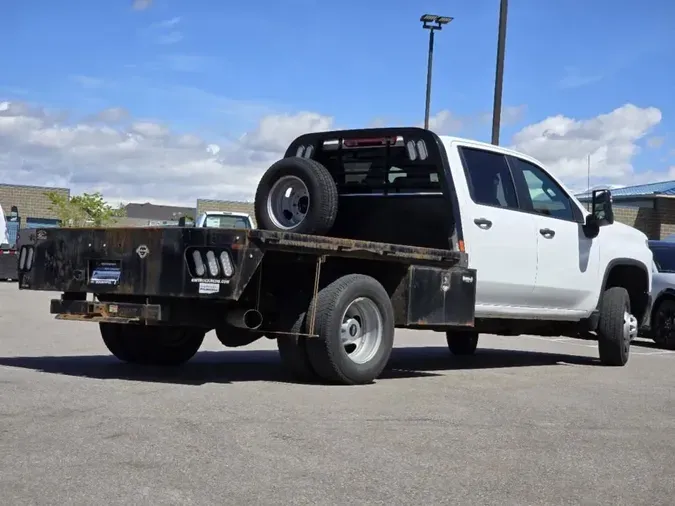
(224, 219)
(360, 232)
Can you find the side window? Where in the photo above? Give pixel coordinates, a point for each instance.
(490, 178)
(545, 194)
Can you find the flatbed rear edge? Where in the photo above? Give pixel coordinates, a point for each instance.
(434, 289)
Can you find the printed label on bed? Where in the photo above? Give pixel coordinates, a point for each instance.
(211, 281)
(209, 287)
(106, 273)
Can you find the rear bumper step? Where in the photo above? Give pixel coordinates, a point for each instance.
(113, 312)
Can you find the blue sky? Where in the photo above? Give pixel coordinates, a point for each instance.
(215, 68)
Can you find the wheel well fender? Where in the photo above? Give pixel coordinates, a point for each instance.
(632, 275)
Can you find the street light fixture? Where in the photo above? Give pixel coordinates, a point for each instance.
(432, 23)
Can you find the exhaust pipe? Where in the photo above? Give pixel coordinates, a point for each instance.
(250, 319)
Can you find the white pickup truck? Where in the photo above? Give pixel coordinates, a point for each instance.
(545, 265)
(224, 219)
(360, 232)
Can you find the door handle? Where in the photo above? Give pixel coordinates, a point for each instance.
(547, 232)
(483, 223)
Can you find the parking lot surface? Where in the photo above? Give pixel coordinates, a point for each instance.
(526, 421)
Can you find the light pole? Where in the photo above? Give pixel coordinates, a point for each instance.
(432, 23)
(499, 73)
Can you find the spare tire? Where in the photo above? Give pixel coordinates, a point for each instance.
(296, 195)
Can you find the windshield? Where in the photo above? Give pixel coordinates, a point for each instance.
(664, 259)
(220, 221)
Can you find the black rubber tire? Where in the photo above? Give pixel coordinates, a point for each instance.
(118, 342)
(613, 345)
(152, 345)
(323, 195)
(293, 353)
(462, 342)
(662, 337)
(235, 337)
(326, 353)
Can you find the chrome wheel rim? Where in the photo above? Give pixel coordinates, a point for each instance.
(288, 202)
(361, 330)
(630, 326)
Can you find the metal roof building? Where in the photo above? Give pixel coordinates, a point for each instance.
(640, 191)
(648, 207)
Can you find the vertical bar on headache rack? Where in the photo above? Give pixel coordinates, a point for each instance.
(312, 312)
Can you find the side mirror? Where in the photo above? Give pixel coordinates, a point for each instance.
(181, 221)
(601, 213)
(601, 207)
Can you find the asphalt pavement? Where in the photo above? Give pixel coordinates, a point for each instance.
(527, 421)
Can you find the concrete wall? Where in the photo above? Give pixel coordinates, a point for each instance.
(31, 201)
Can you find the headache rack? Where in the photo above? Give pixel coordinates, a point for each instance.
(377, 161)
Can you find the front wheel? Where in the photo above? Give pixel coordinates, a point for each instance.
(462, 342)
(617, 327)
(355, 324)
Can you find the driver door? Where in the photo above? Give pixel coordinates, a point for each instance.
(567, 261)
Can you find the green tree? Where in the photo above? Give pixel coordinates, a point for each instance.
(86, 210)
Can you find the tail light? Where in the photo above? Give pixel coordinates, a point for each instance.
(217, 261)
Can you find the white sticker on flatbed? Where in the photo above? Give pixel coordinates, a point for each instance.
(209, 287)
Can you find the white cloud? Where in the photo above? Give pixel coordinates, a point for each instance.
(140, 5)
(655, 142)
(88, 81)
(134, 159)
(563, 144)
(275, 132)
(170, 38)
(111, 115)
(143, 160)
(445, 123)
(574, 78)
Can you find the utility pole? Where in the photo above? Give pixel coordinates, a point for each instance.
(499, 72)
(438, 21)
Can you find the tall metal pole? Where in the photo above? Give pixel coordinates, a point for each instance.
(499, 74)
(429, 66)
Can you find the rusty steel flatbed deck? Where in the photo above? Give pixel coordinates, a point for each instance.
(322, 245)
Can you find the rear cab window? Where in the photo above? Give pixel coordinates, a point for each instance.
(489, 178)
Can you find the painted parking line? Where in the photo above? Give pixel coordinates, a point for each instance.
(635, 349)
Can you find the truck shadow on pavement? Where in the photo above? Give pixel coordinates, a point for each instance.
(264, 365)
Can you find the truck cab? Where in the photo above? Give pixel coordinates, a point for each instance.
(537, 255)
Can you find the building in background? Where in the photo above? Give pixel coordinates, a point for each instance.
(32, 203)
(648, 207)
(151, 215)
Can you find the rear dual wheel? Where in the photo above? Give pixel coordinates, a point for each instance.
(354, 322)
(151, 345)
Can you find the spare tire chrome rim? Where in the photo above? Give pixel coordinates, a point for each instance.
(288, 202)
(362, 329)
